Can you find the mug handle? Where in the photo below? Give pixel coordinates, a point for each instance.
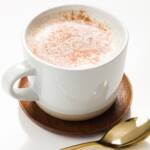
(12, 75)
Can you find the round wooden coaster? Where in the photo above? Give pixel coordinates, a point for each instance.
(112, 116)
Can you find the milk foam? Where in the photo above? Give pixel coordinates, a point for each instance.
(71, 44)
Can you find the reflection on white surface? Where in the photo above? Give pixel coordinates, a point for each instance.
(40, 139)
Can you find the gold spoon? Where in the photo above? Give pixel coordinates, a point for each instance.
(121, 135)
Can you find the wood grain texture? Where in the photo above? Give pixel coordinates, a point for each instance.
(103, 122)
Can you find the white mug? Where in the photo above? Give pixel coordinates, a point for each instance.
(70, 94)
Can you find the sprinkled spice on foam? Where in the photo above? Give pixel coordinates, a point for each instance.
(71, 43)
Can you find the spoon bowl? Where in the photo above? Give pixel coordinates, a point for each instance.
(121, 135)
(127, 133)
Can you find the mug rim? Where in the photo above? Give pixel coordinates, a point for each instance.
(122, 48)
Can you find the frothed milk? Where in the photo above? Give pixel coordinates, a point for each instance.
(72, 43)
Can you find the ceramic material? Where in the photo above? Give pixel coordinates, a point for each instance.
(118, 111)
(68, 92)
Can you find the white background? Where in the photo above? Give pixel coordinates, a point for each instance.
(17, 132)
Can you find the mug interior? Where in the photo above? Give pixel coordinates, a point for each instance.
(119, 32)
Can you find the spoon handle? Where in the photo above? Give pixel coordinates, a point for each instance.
(80, 146)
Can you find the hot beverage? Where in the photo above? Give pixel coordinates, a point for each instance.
(73, 43)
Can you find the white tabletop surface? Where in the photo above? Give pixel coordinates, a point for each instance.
(17, 131)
